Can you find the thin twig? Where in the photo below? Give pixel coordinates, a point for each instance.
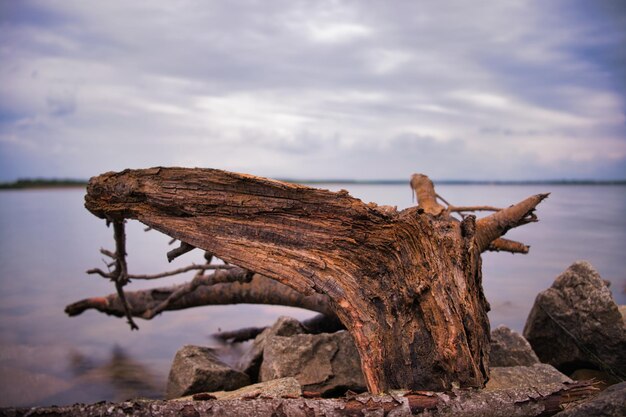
(120, 274)
(459, 209)
(121, 277)
(100, 272)
(192, 267)
(199, 280)
(107, 253)
(442, 199)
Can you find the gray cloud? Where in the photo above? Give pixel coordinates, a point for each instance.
(61, 103)
(314, 89)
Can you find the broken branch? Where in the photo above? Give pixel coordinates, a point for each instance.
(507, 245)
(260, 290)
(426, 196)
(496, 225)
(319, 323)
(181, 250)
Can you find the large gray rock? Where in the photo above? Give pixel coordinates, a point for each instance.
(576, 323)
(325, 363)
(197, 369)
(609, 403)
(509, 348)
(250, 362)
(537, 375)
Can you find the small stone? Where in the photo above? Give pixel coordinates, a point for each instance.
(250, 362)
(327, 363)
(276, 388)
(197, 369)
(576, 323)
(509, 348)
(537, 375)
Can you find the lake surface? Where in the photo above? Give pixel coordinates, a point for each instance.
(48, 241)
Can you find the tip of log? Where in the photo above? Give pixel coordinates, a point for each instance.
(542, 196)
(506, 245)
(79, 307)
(497, 224)
(426, 196)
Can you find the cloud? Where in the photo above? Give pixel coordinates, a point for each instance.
(61, 103)
(314, 89)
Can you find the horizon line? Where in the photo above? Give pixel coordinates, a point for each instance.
(68, 182)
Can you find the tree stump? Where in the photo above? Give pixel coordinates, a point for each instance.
(406, 284)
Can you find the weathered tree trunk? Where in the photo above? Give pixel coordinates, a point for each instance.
(407, 285)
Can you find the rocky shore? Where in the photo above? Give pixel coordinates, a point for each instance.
(570, 361)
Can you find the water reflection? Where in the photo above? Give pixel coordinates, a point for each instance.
(80, 378)
(126, 377)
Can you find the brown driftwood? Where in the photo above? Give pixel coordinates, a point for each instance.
(259, 290)
(407, 285)
(320, 323)
(518, 402)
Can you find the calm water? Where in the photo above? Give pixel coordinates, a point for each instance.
(48, 240)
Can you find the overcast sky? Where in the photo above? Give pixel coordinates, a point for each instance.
(315, 89)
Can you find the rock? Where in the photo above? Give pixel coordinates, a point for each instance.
(537, 375)
(276, 388)
(609, 403)
(327, 363)
(197, 369)
(250, 362)
(622, 311)
(576, 324)
(509, 348)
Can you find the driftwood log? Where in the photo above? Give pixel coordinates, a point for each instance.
(519, 402)
(259, 290)
(406, 284)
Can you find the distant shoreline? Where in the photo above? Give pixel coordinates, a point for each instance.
(465, 182)
(29, 184)
(39, 183)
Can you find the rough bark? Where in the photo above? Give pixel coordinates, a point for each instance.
(407, 285)
(519, 402)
